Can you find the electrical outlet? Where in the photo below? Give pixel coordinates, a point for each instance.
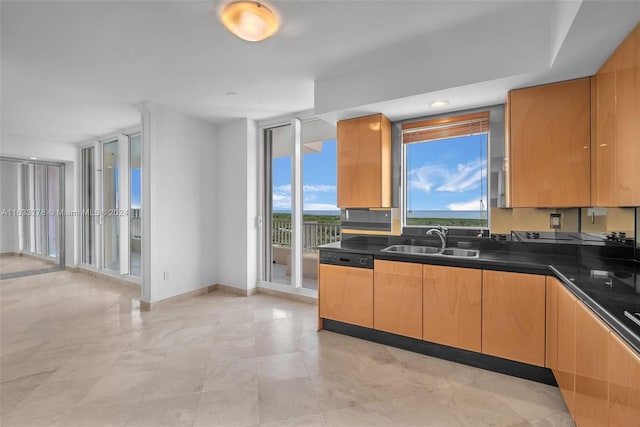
(555, 220)
(166, 275)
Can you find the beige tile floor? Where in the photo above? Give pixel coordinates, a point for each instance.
(76, 351)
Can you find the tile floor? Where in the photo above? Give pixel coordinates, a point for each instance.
(76, 351)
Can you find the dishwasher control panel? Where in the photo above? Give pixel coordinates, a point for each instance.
(346, 259)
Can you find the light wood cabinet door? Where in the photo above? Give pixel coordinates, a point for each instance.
(591, 396)
(398, 298)
(364, 162)
(551, 328)
(604, 144)
(452, 306)
(513, 316)
(565, 370)
(624, 383)
(550, 145)
(627, 125)
(346, 294)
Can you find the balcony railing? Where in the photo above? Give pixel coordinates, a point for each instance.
(314, 234)
(136, 222)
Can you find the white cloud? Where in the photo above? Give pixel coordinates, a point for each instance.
(320, 207)
(318, 188)
(281, 197)
(465, 176)
(471, 205)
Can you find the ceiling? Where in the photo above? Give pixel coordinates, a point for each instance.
(72, 71)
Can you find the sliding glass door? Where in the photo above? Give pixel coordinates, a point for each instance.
(110, 206)
(111, 203)
(32, 201)
(299, 201)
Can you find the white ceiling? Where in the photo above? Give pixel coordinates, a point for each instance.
(73, 70)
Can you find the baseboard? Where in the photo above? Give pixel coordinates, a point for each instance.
(287, 295)
(150, 306)
(233, 290)
(72, 269)
(4, 254)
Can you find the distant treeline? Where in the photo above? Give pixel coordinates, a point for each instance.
(320, 219)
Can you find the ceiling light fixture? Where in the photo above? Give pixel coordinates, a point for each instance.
(439, 104)
(251, 21)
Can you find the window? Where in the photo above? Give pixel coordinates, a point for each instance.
(445, 171)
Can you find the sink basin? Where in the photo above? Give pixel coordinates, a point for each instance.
(430, 250)
(411, 249)
(464, 253)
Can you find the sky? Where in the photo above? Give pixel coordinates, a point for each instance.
(443, 175)
(447, 174)
(318, 177)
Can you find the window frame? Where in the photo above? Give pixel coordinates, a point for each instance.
(403, 175)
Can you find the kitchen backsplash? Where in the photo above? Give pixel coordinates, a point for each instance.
(605, 221)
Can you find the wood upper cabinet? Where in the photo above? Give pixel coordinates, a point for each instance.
(565, 369)
(550, 140)
(513, 316)
(398, 298)
(615, 111)
(624, 383)
(364, 162)
(452, 306)
(591, 395)
(346, 294)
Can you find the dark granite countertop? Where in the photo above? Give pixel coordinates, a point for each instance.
(608, 286)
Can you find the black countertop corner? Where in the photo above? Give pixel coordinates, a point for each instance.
(608, 286)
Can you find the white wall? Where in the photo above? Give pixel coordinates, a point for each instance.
(237, 179)
(9, 200)
(179, 204)
(60, 152)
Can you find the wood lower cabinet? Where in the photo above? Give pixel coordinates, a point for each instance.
(624, 383)
(346, 294)
(513, 316)
(452, 301)
(591, 395)
(364, 162)
(550, 141)
(551, 329)
(565, 369)
(398, 298)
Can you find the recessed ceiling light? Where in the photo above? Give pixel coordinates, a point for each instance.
(439, 104)
(250, 20)
(33, 158)
(231, 93)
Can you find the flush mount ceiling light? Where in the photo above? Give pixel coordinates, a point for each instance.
(439, 104)
(251, 21)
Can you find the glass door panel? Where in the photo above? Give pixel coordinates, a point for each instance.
(88, 206)
(321, 216)
(135, 210)
(110, 206)
(278, 193)
(53, 206)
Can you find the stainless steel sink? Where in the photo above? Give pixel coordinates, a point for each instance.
(411, 249)
(430, 250)
(464, 253)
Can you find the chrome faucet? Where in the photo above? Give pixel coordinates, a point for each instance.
(441, 232)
